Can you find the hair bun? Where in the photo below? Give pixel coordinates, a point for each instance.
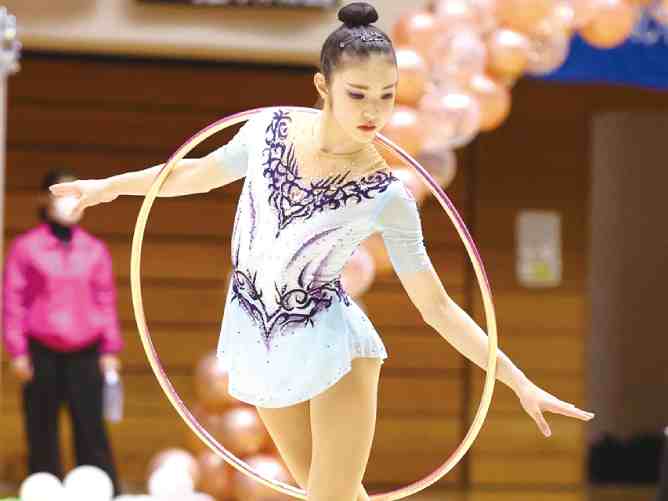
(358, 14)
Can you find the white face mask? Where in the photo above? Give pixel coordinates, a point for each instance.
(62, 209)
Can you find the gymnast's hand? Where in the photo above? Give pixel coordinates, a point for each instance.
(88, 192)
(535, 401)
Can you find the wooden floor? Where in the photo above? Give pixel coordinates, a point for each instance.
(593, 494)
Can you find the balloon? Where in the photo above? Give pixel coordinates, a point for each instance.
(170, 483)
(41, 486)
(216, 475)
(411, 180)
(660, 12)
(611, 26)
(548, 49)
(175, 458)
(450, 118)
(640, 3)
(211, 380)
(584, 11)
(211, 422)
(358, 273)
(403, 128)
(522, 15)
(486, 12)
(454, 14)
(241, 431)
(413, 76)
(508, 54)
(375, 246)
(88, 483)
(561, 18)
(416, 28)
(457, 56)
(494, 100)
(441, 164)
(249, 490)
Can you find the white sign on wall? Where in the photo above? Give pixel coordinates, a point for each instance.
(538, 248)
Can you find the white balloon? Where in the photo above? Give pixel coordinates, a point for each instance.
(88, 483)
(41, 486)
(166, 481)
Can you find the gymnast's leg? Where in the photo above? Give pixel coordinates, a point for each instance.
(343, 422)
(290, 429)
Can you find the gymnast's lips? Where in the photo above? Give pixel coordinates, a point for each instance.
(367, 127)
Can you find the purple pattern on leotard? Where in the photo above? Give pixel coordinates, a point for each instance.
(311, 241)
(251, 202)
(282, 171)
(295, 307)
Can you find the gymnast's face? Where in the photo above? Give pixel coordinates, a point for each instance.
(362, 91)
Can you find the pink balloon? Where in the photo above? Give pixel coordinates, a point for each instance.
(455, 14)
(457, 56)
(269, 466)
(450, 117)
(358, 273)
(548, 49)
(659, 11)
(486, 12)
(412, 182)
(561, 18)
(441, 164)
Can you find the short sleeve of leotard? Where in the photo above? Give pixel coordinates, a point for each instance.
(399, 223)
(233, 156)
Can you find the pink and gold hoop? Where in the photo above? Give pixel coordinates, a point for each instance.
(184, 412)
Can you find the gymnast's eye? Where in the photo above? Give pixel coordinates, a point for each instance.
(355, 95)
(388, 96)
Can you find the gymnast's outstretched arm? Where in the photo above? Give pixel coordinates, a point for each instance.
(399, 223)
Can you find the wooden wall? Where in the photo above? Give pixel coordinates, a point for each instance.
(104, 116)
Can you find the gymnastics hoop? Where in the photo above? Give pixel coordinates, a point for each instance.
(182, 409)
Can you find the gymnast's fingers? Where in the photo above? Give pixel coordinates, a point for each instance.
(64, 189)
(569, 410)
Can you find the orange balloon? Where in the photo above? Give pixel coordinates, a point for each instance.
(413, 76)
(494, 100)
(272, 467)
(585, 11)
(211, 422)
(178, 458)
(216, 475)
(640, 3)
(241, 431)
(417, 29)
(508, 53)
(611, 26)
(561, 18)
(523, 15)
(404, 129)
(375, 246)
(211, 381)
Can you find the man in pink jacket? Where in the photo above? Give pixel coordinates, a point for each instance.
(61, 330)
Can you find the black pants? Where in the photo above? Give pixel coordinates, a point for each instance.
(75, 379)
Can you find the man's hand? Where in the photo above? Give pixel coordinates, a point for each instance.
(109, 362)
(22, 368)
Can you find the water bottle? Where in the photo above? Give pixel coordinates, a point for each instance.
(112, 396)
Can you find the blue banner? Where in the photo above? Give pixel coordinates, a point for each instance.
(642, 60)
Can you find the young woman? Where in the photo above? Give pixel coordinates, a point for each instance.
(315, 186)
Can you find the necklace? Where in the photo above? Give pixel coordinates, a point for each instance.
(323, 164)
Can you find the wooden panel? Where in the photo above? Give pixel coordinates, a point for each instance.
(531, 470)
(526, 495)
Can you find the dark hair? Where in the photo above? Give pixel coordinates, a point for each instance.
(356, 37)
(53, 176)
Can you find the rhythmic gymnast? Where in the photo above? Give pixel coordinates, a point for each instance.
(294, 343)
